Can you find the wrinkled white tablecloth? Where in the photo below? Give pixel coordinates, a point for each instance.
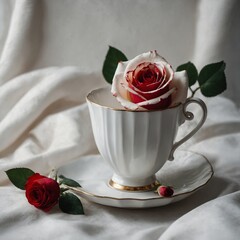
(44, 120)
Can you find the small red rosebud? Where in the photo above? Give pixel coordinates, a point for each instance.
(165, 191)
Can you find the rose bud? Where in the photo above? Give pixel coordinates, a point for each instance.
(149, 82)
(165, 191)
(42, 192)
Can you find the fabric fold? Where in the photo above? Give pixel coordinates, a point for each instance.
(23, 40)
(46, 117)
(217, 219)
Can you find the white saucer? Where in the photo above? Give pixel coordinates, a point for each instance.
(186, 174)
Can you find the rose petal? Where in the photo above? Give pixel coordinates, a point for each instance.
(117, 88)
(180, 82)
(121, 93)
(151, 94)
(134, 92)
(152, 86)
(119, 74)
(168, 71)
(157, 99)
(121, 66)
(139, 68)
(151, 56)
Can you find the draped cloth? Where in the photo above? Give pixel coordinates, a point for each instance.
(51, 54)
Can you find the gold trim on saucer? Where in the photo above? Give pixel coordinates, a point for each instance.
(148, 187)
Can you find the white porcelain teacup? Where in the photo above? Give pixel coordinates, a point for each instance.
(136, 144)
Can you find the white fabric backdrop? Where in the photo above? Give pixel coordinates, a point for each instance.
(51, 56)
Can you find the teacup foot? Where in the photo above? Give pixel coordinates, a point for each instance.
(148, 184)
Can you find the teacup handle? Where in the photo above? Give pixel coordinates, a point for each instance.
(190, 116)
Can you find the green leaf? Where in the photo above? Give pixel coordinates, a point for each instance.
(19, 176)
(212, 79)
(68, 182)
(191, 72)
(113, 57)
(69, 203)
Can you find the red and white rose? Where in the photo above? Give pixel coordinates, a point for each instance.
(149, 82)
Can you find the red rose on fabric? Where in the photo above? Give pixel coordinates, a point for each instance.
(42, 192)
